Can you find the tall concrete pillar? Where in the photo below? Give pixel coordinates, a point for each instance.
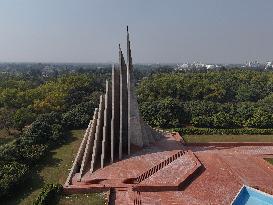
(115, 122)
(89, 146)
(78, 159)
(96, 153)
(123, 139)
(106, 141)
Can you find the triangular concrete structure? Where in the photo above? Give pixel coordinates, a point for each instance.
(137, 134)
(116, 126)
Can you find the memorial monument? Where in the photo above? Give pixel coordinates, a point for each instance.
(116, 126)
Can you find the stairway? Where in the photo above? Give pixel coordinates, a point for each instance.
(137, 198)
(158, 167)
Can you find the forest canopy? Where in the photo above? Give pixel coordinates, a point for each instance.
(214, 99)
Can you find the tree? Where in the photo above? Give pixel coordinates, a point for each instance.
(23, 117)
(6, 119)
(163, 113)
(79, 116)
(223, 120)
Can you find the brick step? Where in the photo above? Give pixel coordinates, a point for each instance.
(120, 196)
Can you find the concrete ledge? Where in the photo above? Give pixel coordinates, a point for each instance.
(220, 144)
(67, 190)
(178, 137)
(267, 166)
(193, 173)
(155, 188)
(230, 144)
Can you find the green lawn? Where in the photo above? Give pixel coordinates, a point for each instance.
(54, 169)
(84, 199)
(227, 138)
(269, 160)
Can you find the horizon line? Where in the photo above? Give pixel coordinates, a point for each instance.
(82, 62)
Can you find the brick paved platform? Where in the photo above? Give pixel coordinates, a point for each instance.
(159, 175)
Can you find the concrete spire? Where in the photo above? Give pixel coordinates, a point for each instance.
(136, 131)
(123, 139)
(115, 121)
(129, 57)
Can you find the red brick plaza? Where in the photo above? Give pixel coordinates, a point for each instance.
(168, 172)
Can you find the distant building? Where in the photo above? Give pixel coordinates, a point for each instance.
(196, 66)
(269, 65)
(253, 64)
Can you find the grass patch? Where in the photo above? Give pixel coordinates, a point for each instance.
(227, 138)
(94, 198)
(53, 168)
(270, 160)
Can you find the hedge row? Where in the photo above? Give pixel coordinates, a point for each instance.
(210, 131)
(49, 194)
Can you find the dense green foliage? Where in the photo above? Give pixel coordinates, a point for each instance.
(22, 100)
(215, 99)
(43, 112)
(11, 174)
(49, 194)
(26, 150)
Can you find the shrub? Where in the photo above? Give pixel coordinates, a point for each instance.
(50, 118)
(163, 113)
(27, 150)
(47, 129)
(79, 116)
(38, 133)
(11, 174)
(23, 117)
(49, 194)
(201, 121)
(31, 153)
(223, 120)
(22, 152)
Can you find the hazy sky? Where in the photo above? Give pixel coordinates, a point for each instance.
(225, 31)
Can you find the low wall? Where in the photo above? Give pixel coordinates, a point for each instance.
(221, 144)
(230, 144)
(84, 190)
